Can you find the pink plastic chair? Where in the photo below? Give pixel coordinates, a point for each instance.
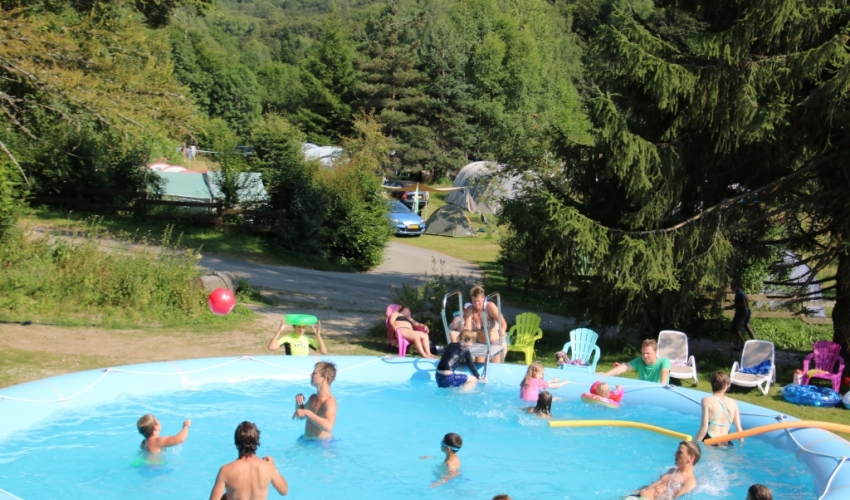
(393, 337)
(826, 356)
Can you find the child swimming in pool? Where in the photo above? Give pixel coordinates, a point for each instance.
(603, 390)
(149, 427)
(544, 406)
(452, 357)
(533, 383)
(450, 445)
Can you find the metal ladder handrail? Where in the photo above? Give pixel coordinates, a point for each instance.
(459, 308)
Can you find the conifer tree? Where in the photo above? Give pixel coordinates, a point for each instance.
(329, 80)
(391, 84)
(443, 59)
(711, 118)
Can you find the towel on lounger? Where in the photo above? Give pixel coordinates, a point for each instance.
(762, 368)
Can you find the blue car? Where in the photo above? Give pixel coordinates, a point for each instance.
(404, 221)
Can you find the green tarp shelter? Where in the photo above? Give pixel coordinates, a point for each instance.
(449, 220)
(185, 186)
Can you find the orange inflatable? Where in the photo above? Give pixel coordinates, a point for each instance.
(801, 424)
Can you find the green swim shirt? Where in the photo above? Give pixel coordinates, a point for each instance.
(299, 345)
(651, 373)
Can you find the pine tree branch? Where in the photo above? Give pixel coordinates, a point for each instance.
(772, 186)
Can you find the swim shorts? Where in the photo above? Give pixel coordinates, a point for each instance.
(453, 380)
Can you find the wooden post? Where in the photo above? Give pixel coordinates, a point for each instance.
(142, 205)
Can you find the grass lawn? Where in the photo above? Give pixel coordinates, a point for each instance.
(238, 245)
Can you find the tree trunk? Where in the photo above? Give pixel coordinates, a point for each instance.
(841, 311)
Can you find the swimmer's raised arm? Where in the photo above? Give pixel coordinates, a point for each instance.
(274, 343)
(179, 438)
(317, 329)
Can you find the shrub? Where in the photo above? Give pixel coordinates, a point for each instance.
(290, 182)
(10, 196)
(75, 281)
(355, 229)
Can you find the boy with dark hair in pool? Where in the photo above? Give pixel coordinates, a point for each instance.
(149, 427)
(320, 409)
(678, 480)
(450, 445)
(453, 354)
(248, 477)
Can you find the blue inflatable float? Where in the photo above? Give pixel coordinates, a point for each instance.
(810, 395)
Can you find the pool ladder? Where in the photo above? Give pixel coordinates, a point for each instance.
(486, 350)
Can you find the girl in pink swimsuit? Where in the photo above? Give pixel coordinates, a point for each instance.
(533, 383)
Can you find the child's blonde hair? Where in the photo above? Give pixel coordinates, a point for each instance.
(146, 425)
(603, 390)
(466, 336)
(533, 369)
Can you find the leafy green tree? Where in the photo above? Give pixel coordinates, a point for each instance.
(281, 88)
(356, 227)
(290, 181)
(220, 85)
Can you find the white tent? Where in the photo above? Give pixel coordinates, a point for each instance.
(325, 154)
(484, 187)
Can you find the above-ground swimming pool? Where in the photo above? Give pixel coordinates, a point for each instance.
(74, 436)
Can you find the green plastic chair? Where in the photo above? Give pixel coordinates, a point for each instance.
(583, 345)
(524, 333)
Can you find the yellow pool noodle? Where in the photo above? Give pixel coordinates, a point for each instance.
(619, 423)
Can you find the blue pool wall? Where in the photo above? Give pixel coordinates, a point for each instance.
(101, 386)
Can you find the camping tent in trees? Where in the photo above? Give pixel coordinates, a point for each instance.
(484, 188)
(449, 220)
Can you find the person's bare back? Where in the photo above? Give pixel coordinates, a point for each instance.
(248, 477)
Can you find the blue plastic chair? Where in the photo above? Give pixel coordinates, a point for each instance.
(583, 345)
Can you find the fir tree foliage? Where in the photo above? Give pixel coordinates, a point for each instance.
(711, 120)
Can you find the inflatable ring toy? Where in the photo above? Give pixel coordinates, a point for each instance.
(810, 395)
(599, 400)
(301, 319)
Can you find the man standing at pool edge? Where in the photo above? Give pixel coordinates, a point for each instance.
(649, 366)
(248, 477)
(320, 409)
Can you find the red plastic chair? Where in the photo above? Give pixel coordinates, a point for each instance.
(393, 337)
(825, 356)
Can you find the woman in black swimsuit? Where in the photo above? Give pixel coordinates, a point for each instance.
(418, 337)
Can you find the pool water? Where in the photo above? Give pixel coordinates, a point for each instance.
(382, 432)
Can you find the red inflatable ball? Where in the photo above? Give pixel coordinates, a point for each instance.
(221, 301)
